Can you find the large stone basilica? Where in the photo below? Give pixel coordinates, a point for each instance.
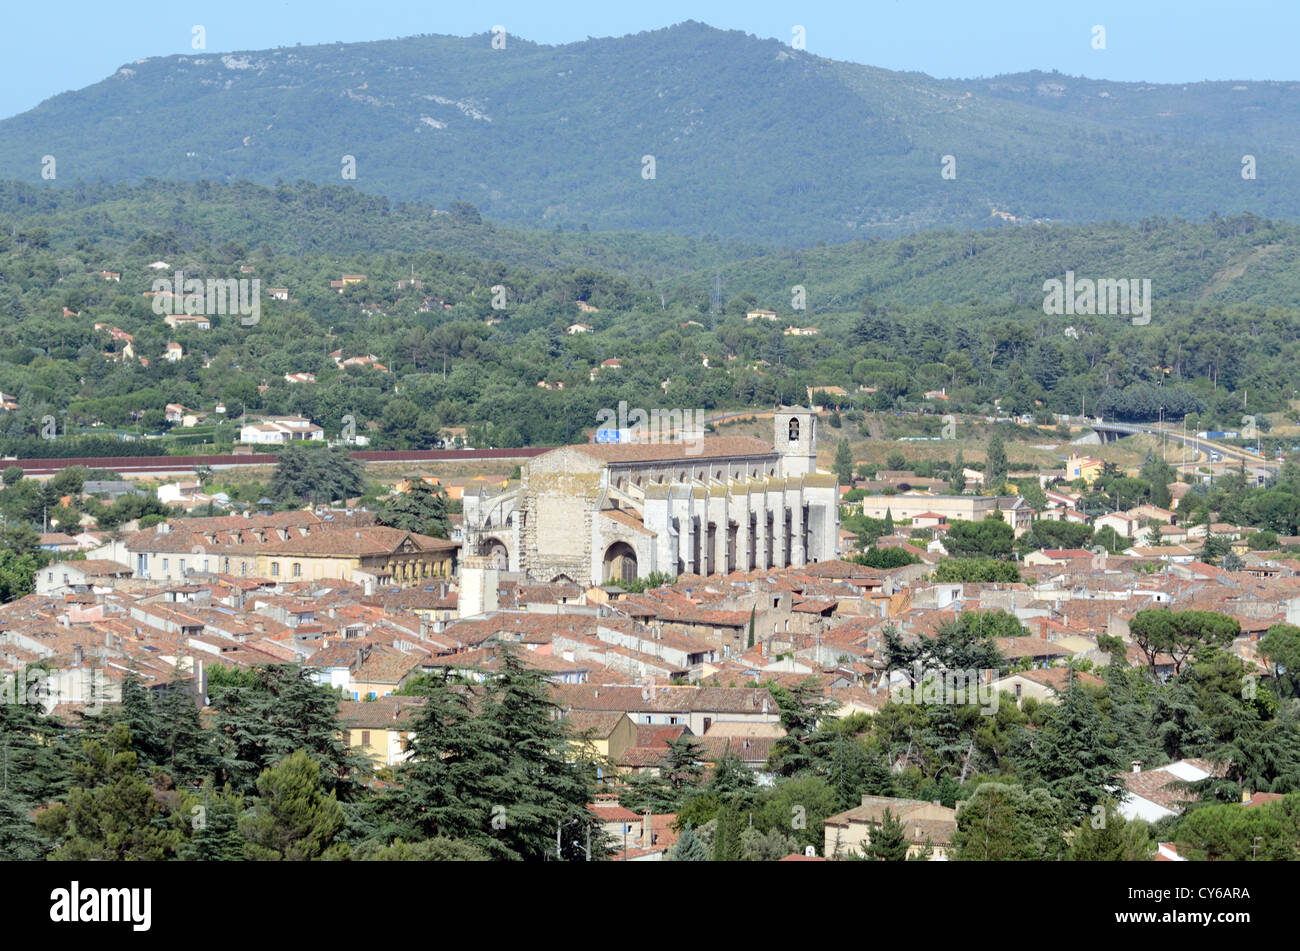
(601, 511)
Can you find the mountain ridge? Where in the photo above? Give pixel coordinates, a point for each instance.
(749, 138)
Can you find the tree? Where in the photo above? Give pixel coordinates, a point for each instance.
(214, 820)
(293, 818)
(889, 521)
(885, 558)
(285, 712)
(682, 767)
(732, 782)
(1050, 533)
(957, 482)
(525, 776)
(18, 573)
(803, 707)
(1106, 836)
(312, 474)
(12, 475)
(19, 840)
(1158, 474)
(976, 570)
(1179, 633)
(428, 850)
(969, 643)
(1280, 646)
(995, 463)
(185, 747)
(1237, 833)
(770, 846)
(1074, 752)
(1110, 540)
(421, 508)
(888, 842)
(444, 748)
(689, 848)
(989, 538)
(1002, 822)
(112, 814)
(798, 807)
(726, 837)
(843, 465)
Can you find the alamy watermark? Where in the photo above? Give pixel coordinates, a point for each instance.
(35, 686)
(658, 426)
(216, 297)
(939, 685)
(1104, 296)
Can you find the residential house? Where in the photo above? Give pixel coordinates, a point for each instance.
(280, 430)
(850, 832)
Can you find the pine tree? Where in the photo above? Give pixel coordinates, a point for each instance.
(137, 713)
(259, 726)
(526, 778)
(889, 521)
(751, 627)
(681, 767)
(888, 841)
(293, 817)
(1074, 752)
(214, 823)
(421, 508)
(1106, 836)
(688, 847)
(958, 481)
(445, 743)
(19, 841)
(186, 752)
(112, 813)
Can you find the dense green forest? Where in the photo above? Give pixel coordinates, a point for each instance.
(750, 138)
(469, 345)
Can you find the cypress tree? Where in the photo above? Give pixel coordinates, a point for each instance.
(726, 839)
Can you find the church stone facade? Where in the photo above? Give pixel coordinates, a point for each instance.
(596, 512)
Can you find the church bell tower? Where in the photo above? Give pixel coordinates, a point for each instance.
(796, 440)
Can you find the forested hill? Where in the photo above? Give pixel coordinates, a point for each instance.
(1238, 260)
(170, 217)
(749, 138)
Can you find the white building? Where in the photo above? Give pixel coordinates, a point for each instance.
(281, 430)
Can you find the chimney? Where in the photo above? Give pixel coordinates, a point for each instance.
(1137, 766)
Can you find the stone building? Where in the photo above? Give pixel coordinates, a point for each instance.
(600, 511)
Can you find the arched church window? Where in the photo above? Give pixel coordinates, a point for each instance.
(794, 430)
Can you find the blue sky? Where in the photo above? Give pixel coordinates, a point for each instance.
(45, 50)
